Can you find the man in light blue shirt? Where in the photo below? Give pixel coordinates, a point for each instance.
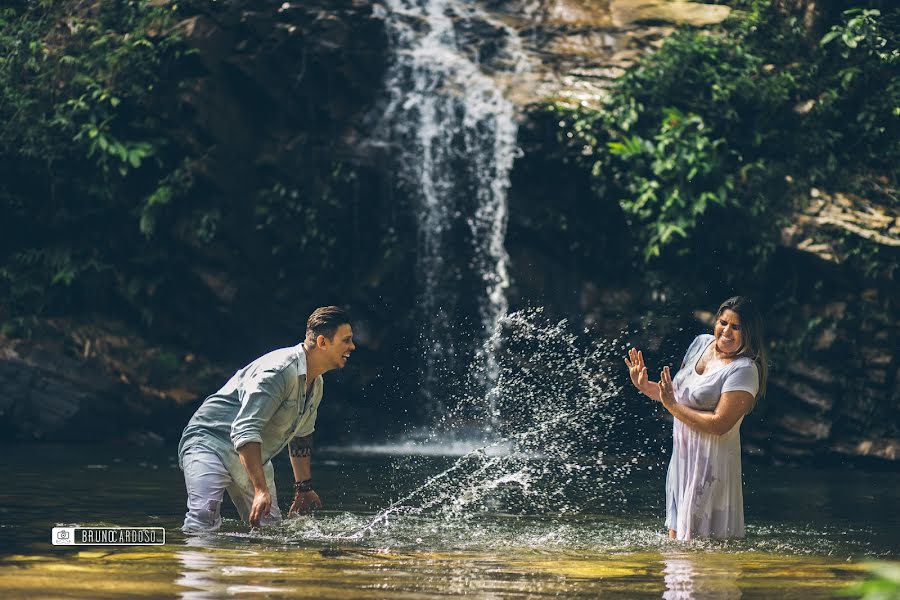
(271, 403)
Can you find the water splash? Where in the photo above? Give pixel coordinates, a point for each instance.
(455, 137)
(554, 444)
(558, 472)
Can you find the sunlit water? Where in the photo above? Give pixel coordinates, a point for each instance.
(808, 532)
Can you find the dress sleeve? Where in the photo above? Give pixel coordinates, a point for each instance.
(744, 378)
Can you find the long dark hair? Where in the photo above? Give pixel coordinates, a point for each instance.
(753, 344)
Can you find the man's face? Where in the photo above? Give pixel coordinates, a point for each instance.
(338, 348)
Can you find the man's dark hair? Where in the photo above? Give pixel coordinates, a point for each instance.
(325, 320)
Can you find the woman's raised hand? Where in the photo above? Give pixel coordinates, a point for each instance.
(666, 391)
(636, 368)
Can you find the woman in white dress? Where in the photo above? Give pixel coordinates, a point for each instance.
(720, 379)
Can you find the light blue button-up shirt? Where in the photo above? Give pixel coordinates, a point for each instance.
(264, 402)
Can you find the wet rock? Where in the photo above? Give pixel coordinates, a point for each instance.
(54, 390)
(815, 373)
(145, 439)
(884, 448)
(42, 397)
(805, 427)
(805, 393)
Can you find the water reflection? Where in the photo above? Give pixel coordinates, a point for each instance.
(686, 581)
(203, 576)
(195, 575)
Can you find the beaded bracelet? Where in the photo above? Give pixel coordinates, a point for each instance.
(303, 486)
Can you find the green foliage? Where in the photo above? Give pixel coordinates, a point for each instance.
(726, 130)
(684, 132)
(82, 162)
(862, 30)
(883, 583)
(115, 198)
(301, 228)
(859, 94)
(671, 181)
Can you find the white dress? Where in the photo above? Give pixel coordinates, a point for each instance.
(704, 498)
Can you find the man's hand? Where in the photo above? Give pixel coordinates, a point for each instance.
(262, 504)
(305, 502)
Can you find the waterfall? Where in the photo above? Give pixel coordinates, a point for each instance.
(454, 135)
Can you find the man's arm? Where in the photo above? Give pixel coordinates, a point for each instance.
(305, 498)
(260, 397)
(251, 458)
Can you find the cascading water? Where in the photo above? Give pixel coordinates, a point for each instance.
(455, 140)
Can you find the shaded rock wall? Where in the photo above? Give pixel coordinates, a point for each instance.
(95, 381)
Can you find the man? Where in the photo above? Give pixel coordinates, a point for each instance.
(269, 404)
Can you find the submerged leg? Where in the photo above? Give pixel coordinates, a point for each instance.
(205, 478)
(243, 498)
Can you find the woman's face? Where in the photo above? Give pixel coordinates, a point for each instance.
(728, 332)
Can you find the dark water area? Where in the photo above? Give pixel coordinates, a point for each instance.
(809, 531)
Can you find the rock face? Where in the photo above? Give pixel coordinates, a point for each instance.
(93, 382)
(277, 77)
(578, 47)
(838, 386)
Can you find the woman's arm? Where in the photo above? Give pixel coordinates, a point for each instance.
(731, 407)
(637, 370)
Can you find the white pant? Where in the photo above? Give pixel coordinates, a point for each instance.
(206, 480)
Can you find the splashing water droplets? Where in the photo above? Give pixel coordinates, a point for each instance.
(549, 411)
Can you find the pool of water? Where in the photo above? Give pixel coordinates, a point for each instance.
(810, 531)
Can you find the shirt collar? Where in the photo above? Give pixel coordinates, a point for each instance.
(301, 359)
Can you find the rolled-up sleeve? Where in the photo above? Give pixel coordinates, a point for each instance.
(260, 396)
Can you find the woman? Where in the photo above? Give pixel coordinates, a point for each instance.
(719, 381)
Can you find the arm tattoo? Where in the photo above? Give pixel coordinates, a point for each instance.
(302, 445)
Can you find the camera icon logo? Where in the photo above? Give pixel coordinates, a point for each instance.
(63, 536)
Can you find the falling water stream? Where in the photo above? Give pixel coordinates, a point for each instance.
(454, 138)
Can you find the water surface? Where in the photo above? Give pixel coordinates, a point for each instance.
(809, 531)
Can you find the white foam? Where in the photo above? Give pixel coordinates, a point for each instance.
(429, 448)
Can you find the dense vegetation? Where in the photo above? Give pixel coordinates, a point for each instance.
(124, 192)
(708, 143)
(84, 166)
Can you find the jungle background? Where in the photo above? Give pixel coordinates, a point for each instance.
(181, 183)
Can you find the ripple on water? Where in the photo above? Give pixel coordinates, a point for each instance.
(591, 534)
